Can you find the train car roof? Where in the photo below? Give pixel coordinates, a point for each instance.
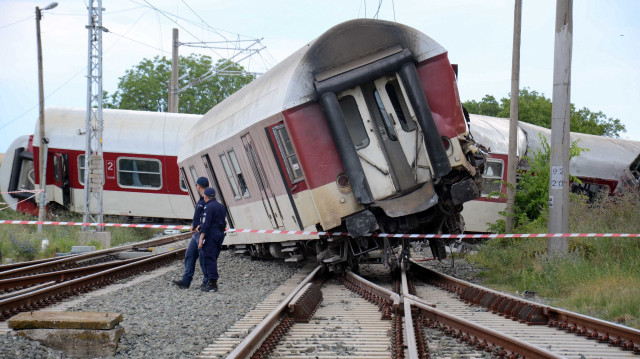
(125, 131)
(493, 133)
(290, 82)
(607, 157)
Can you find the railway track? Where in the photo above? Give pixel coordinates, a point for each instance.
(567, 334)
(39, 284)
(420, 315)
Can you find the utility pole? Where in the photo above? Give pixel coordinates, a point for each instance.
(93, 160)
(560, 141)
(513, 121)
(173, 83)
(43, 140)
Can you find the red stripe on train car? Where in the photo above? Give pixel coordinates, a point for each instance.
(314, 144)
(439, 85)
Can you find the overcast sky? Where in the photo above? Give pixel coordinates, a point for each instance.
(477, 34)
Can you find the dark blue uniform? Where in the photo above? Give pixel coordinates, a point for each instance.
(198, 213)
(192, 254)
(212, 224)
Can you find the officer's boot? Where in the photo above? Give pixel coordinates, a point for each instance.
(212, 285)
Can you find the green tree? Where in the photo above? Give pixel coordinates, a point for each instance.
(535, 108)
(145, 86)
(532, 195)
(488, 106)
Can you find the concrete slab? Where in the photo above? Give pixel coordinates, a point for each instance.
(104, 238)
(65, 320)
(82, 249)
(77, 343)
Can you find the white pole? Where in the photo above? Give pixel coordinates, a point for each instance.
(513, 121)
(42, 155)
(560, 141)
(173, 83)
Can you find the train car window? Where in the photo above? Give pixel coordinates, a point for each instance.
(236, 167)
(290, 158)
(27, 176)
(183, 186)
(391, 132)
(230, 177)
(400, 106)
(492, 177)
(57, 168)
(81, 169)
(194, 174)
(352, 117)
(140, 173)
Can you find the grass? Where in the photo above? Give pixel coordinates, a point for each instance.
(599, 276)
(23, 243)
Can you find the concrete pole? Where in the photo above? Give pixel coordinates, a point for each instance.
(560, 141)
(41, 155)
(513, 121)
(173, 82)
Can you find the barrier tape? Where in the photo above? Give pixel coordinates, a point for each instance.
(24, 191)
(26, 199)
(336, 234)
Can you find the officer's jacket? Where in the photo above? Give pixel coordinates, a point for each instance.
(212, 222)
(198, 213)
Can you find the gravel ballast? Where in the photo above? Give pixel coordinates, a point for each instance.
(164, 321)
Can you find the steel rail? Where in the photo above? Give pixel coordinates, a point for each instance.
(9, 284)
(68, 261)
(489, 335)
(9, 266)
(589, 327)
(375, 289)
(412, 346)
(253, 341)
(30, 289)
(43, 297)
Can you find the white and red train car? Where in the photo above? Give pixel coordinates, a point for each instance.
(140, 164)
(601, 168)
(359, 131)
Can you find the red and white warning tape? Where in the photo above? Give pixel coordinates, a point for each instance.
(24, 191)
(26, 199)
(334, 234)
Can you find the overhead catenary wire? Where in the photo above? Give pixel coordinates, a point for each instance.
(17, 22)
(240, 39)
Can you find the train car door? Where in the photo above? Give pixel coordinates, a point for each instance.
(269, 201)
(183, 178)
(375, 129)
(213, 182)
(62, 194)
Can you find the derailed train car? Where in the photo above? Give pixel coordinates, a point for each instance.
(610, 165)
(360, 131)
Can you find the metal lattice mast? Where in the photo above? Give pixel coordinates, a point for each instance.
(93, 163)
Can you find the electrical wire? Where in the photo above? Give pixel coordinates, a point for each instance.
(138, 42)
(81, 71)
(163, 13)
(378, 10)
(196, 14)
(393, 6)
(17, 22)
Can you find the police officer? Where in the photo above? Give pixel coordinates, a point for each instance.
(212, 227)
(192, 253)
